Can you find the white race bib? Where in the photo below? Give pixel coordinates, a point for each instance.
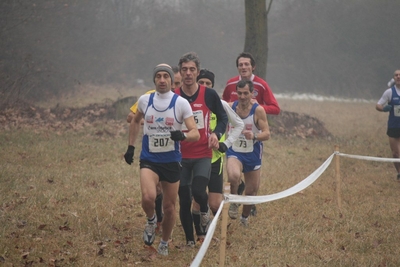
(198, 119)
(242, 145)
(161, 142)
(396, 110)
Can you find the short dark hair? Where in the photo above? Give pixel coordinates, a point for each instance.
(246, 55)
(175, 69)
(190, 56)
(243, 83)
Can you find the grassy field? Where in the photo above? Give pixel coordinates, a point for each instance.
(70, 199)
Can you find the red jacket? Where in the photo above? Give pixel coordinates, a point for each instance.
(262, 93)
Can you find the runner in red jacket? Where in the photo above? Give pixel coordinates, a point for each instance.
(263, 95)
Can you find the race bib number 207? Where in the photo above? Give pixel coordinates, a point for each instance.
(161, 142)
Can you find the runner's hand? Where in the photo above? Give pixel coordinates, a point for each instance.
(222, 147)
(387, 108)
(129, 155)
(177, 135)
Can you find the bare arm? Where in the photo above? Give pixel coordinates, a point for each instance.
(262, 124)
(134, 127)
(130, 117)
(379, 107)
(193, 133)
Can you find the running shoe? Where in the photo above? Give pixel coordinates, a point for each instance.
(162, 249)
(190, 244)
(149, 233)
(233, 210)
(244, 222)
(205, 221)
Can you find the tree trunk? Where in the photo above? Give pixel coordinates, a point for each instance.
(256, 41)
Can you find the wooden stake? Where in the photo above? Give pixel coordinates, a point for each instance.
(338, 180)
(224, 226)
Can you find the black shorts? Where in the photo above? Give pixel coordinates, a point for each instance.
(393, 132)
(168, 172)
(216, 182)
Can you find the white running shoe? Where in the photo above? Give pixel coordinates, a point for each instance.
(149, 233)
(162, 250)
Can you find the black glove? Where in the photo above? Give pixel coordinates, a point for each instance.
(177, 135)
(387, 108)
(129, 155)
(222, 147)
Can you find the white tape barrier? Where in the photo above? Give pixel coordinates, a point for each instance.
(288, 192)
(207, 240)
(256, 200)
(261, 199)
(368, 158)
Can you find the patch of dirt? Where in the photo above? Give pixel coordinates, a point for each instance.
(292, 124)
(24, 115)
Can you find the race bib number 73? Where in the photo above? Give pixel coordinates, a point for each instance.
(242, 145)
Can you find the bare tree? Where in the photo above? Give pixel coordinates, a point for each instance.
(256, 41)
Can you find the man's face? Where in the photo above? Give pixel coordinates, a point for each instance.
(206, 82)
(244, 95)
(162, 82)
(244, 67)
(189, 73)
(177, 80)
(396, 77)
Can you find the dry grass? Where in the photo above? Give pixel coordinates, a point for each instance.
(86, 94)
(71, 200)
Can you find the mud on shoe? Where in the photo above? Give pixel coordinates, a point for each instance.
(233, 210)
(149, 233)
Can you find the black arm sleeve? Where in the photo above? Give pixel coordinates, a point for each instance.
(213, 102)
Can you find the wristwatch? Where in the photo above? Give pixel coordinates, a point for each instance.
(255, 137)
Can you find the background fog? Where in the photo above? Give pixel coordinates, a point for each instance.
(341, 48)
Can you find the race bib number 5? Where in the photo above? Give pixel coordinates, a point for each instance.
(161, 142)
(198, 118)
